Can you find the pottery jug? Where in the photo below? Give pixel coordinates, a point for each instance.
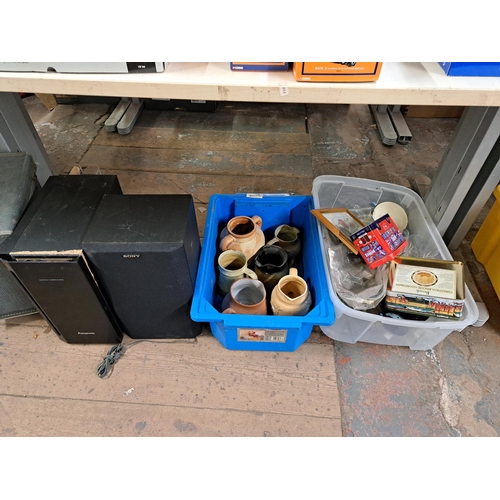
(244, 234)
(232, 266)
(246, 296)
(271, 264)
(287, 237)
(291, 296)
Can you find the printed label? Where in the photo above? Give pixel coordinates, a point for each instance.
(283, 89)
(261, 195)
(257, 335)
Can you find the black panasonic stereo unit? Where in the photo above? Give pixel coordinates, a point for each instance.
(45, 255)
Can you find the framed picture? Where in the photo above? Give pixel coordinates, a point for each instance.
(341, 223)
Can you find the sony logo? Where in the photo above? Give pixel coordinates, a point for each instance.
(131, 256)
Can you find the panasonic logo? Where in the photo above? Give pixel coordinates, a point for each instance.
(86, 333)
(131, 256)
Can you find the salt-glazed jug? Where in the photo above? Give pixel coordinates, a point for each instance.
(244, 234)
(291, 296)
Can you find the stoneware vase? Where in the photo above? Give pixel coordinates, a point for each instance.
(271, 264)
(246, 296)
(232, 267)
(291, 296)
(287, 237)
(243, 234)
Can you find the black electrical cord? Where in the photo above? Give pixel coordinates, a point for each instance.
(114, 354)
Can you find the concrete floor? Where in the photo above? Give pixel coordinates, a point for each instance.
(451, 390)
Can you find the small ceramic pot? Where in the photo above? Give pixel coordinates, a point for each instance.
(243, 234)
(287, 238)
(232, 267)
(271, 264)
(246, 296)
(291, 296)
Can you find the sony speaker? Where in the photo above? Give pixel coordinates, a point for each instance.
(144, 252)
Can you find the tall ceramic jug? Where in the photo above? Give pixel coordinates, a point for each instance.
(244, 234)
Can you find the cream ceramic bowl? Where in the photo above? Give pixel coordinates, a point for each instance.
(396, 212)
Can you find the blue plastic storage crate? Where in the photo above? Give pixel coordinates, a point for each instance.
(282, 333)
(471, 68)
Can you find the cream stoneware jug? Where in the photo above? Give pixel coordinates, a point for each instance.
(244, 234)
(291, 296)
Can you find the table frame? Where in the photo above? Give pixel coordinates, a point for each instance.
(465, 178)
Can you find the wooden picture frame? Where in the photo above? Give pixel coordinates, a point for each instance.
(341, 223)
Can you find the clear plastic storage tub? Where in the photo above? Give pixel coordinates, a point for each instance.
(276, 333)
(351, 326)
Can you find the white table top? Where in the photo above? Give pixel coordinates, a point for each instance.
(399, 83)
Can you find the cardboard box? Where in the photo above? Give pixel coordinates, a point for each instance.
(336, 71)
(471, 68)
(415, 111)
(420, 299)
(379, 242)
(84, 67)
(421, 280)
(259, 66)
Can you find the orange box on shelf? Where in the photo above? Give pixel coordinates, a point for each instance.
(336, 71)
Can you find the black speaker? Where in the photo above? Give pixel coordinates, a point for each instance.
(144, 252)
(45, 254)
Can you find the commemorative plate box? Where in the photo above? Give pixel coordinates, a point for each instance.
(426, 287)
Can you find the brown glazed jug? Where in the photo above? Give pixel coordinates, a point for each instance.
(291, 296)
(244, 234)
(271, 264)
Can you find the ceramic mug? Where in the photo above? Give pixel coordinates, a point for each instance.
(244, 234)
(233, 266)
(287, 238)
(246, 296)
(291, 296)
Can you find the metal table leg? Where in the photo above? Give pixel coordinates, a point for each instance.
(391, 124)
(17, 134)
(399, 124)
(384, 124)
(467, 174)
